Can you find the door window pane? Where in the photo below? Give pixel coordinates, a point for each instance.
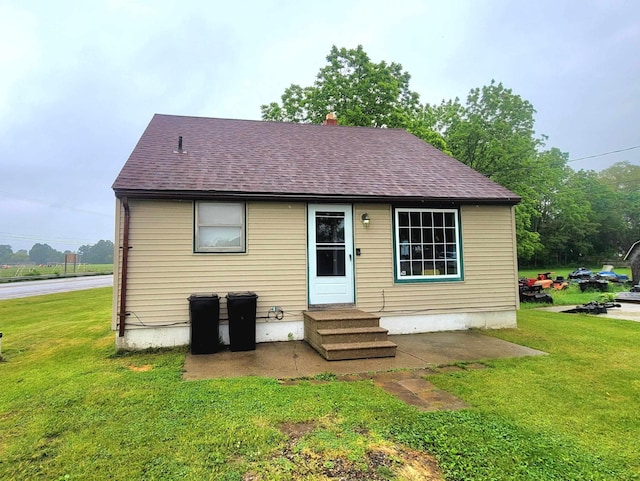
(330, 262)
(330, 244)
(329, 227)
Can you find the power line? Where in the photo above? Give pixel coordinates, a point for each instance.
(604, 153)
(52, 205)
(26, 237)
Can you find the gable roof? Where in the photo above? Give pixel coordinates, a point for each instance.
(226, 158)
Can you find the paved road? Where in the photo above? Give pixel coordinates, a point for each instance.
(13, 290)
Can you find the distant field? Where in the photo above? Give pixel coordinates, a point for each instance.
(53, 269)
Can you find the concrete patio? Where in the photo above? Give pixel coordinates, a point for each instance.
(295, 359)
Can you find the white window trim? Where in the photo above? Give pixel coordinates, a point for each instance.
(397, 247)
(243, 230)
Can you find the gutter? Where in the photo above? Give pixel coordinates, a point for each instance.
(123, 273)
(293, 197)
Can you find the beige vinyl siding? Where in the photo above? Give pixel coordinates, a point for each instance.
(489, 267)
(164, 270)
(374, 265)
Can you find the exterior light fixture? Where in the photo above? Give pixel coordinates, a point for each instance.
(365, 219)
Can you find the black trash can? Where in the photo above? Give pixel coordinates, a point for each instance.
(241, 307)
(204, 313)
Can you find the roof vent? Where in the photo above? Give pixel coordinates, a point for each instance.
(330, 119)
(180, 149)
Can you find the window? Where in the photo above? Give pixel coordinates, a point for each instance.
(220, 227)
(330, 244)
(427, 244)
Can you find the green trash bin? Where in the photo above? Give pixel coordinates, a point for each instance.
(241, 307)
(204, 313)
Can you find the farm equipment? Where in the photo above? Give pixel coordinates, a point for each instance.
(545, 281)
(598, 281)
(594, 283)
(532, 292)
(580, 273)
(593, 307)
(611, 276)
(560, 283)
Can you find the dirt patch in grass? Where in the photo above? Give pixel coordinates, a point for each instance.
(381, 462)
(295, 431)
(412, 465)
(144, 368)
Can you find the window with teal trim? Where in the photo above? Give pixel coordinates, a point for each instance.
(427, 244)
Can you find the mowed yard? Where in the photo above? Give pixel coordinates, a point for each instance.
(71, 408)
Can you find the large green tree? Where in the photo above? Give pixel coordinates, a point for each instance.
(493, 132)
(359, 92)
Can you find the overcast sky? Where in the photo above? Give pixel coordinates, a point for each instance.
(80, 80)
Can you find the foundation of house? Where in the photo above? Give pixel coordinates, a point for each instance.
(137, 338)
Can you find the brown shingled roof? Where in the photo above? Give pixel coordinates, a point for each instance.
(246, 158)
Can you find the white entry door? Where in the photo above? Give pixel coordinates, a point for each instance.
(330, 237)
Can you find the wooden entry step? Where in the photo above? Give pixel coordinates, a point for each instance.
(341, 334)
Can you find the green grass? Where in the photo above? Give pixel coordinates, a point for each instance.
(57, 269)
(71, 408)
(585, 394)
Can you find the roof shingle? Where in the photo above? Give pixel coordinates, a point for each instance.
(272, 159)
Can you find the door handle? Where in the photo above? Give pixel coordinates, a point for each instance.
(349, 257)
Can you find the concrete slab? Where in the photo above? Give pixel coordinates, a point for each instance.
(295, 359)
(629, 311)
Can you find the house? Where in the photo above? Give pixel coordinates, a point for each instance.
(306, 216)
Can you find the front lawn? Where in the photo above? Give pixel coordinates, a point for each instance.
(70, 408)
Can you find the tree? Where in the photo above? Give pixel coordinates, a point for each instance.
(622, 182)
(44, 254)
(5, 253)
(567, 224)
(20, 257)
(621, 176)
(360, 92)
(100, 253)
(494, 134)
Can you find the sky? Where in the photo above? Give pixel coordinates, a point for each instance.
(80, 80)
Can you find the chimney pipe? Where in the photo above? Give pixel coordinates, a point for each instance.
(180, 149)
(330, 119)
